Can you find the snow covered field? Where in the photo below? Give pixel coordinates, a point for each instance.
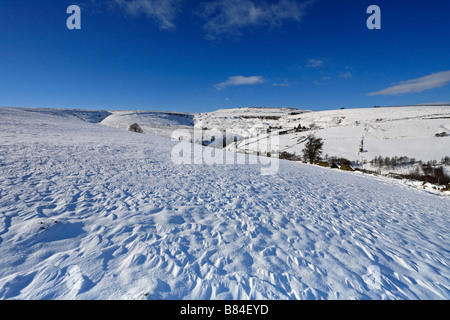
(93, 212)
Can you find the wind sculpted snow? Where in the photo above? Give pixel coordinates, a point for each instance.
(91, 212)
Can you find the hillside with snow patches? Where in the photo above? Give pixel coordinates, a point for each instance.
(89, 210)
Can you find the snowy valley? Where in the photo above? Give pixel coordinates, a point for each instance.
(406, 138)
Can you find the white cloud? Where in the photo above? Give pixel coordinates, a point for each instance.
(315, 63)
(228, 17)
(163, 12)
(240, 81)
(435, 80)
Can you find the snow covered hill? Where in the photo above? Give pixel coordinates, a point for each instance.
(90, 116)
(152, 122)
(394, 131)
(93, 212)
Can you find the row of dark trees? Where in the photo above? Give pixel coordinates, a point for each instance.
(393, 162)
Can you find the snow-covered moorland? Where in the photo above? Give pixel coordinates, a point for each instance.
(394, 131)
(93, 212)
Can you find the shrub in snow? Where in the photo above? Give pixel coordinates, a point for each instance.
(324, 164)
(289, 156)
(135, 128)
(339, 161)
(270, 128)
(346, 167)
(441, 134)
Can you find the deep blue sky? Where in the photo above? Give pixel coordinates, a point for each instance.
(185, 55)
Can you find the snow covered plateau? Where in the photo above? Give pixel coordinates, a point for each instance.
(90, 210)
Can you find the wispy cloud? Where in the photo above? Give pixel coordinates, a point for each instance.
(240, 81)
(229, 17)
(435, 80)
(346, 75)
(163, 12)
(315, 63)
(282, 84)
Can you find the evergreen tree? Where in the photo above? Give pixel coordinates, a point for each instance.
(313, 149)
